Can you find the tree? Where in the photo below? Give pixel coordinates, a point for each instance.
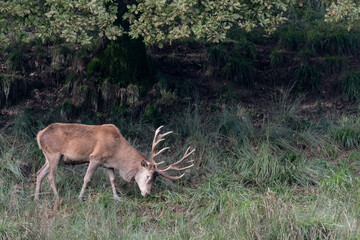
(75, 21)
(343, 10)
(156, 21)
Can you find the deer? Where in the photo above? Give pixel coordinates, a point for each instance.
(102, 146)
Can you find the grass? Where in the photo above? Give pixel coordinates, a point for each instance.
(284, 179)
(307, 77)
(350, 85)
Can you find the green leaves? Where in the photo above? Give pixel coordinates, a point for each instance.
(75, 21)
(156, 21)
(208, 20)
(343, 10)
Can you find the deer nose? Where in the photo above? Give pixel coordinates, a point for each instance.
(146, 195)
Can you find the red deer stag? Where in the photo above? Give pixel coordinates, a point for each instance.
(104, 146)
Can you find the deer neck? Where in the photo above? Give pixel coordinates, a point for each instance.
(129, 163)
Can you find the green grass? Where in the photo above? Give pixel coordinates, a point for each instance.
(334, 64)
(307, 77)
(350, 85)
(288, 178)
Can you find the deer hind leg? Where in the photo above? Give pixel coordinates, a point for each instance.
(54, 161)
(39, 177)
(93, 165)
(111, 175)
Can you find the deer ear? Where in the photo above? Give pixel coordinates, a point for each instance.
(144, 163)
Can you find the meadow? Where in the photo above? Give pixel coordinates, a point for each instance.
(284, 177)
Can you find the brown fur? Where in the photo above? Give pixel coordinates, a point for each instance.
(99, 145)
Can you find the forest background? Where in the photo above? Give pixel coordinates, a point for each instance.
(266, 91)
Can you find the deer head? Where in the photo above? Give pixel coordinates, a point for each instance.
(150, 169)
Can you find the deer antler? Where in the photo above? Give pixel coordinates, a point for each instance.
(157, 139)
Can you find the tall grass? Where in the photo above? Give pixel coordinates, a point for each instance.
(276, 180)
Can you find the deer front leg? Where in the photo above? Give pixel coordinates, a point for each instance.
(89, 173)
(111, 174)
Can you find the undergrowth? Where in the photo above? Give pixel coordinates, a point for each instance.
(283, 179)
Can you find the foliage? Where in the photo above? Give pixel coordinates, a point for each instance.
(73, 21)
(161, 21)
(350, 85)
(343, 10)
(158, 21)
(154, 21)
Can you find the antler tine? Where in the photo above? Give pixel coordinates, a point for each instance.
(173, 166)
(157, 139)
(177, 169)
(171, 177)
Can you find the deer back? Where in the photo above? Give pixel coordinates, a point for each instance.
(78, 143)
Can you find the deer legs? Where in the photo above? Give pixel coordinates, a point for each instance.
(49, 167)
(111, 175)
(39, 177)
(89, 173)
